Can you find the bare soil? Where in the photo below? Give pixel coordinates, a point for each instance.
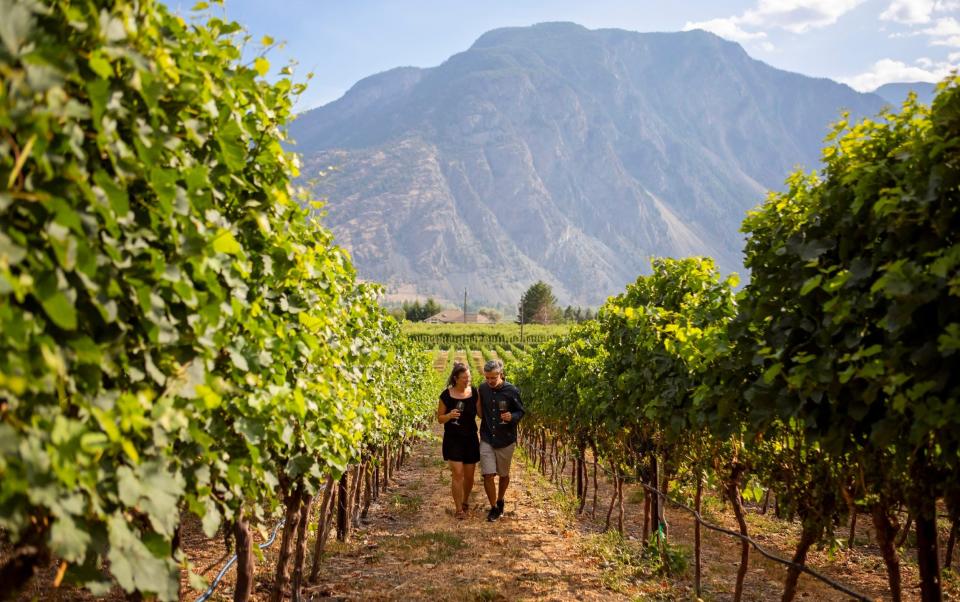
(412, 547)
(860, 568)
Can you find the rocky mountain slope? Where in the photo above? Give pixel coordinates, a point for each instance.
(560, 153)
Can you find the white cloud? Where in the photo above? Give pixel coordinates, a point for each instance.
(909, 11)
(945, 32)
(798, 16)
(728, 28)
(886, 71)
(947, 26)
(954, 57)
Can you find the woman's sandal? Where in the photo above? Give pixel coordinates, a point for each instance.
(460, 515)
(466, 507)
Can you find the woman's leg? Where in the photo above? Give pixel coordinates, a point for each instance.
(468, 470)
(456, 483)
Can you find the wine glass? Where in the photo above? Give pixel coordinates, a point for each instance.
(503, 407)
(459, 406)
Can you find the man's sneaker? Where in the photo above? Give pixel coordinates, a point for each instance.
(494, 514)
(500, 507)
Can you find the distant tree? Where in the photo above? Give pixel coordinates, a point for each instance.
(538, 304)
(430, 308)
(573, 314)
(398, 314)
(492, 314)
(418, 313)
(412, 310)
(555, 315)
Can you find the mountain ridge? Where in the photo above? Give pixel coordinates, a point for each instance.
(561, 153)
(896, 92)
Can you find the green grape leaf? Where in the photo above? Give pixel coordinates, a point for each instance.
(56, 304)
(67, 540)
(224, 242)
(135, 567)
(230, 139)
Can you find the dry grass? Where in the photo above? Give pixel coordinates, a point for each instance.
(861, 568)
(533, 553)
(413, 548)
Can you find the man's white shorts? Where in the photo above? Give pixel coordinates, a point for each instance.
(496, 460)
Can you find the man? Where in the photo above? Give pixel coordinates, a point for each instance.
(498, 433)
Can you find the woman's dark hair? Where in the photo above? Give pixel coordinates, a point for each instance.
(458, 369)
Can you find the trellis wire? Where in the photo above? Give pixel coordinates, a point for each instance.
(696, 515)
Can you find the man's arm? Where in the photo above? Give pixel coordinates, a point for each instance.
(518, 411)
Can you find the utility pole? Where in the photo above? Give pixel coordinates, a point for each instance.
(521, 321)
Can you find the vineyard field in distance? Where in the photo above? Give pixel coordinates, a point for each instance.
(477, 335)
(476, 356)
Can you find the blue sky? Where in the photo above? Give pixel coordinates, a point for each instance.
(864, 43)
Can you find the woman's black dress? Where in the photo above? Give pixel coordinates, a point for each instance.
(460, 443)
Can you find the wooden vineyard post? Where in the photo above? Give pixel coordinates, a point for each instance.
(733, 491)
(342, 506)
(358, 480)
(613, 499)
(323, 527)
(696, 533)
(245, 560)
(292, 520)
(620, 505)
(367, 489)
(300, 555)
(886, 527)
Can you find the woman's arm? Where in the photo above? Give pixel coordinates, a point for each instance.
(443, 416)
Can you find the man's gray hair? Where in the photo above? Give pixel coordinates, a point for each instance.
(493, 366)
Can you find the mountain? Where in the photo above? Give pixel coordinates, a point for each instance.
(895, 94)
(558, 153)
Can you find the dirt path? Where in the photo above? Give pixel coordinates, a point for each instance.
(413, 548)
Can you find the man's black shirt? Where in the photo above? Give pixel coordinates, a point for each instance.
(492, 431)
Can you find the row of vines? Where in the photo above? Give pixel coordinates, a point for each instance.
(830, 380)
(491, 339)
(177, 333)
(481, 335)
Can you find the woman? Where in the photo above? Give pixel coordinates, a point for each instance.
(461, 445)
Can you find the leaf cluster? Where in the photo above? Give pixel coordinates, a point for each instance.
(175, 332)
(833, 375)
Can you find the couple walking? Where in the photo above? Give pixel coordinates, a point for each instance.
(497, 403)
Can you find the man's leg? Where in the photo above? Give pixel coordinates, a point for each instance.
(502, 487)
(491, 488)
(504, 457)
(488, 468)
